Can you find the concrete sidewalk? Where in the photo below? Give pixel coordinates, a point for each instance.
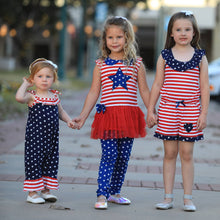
(80, 199)
(79, 161)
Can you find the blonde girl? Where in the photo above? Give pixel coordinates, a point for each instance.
(182, 81)
(42, 130)
(118, 119)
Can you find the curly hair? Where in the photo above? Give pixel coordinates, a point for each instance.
(130, 47)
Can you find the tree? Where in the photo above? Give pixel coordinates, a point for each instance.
(31, 17)
(28, 18)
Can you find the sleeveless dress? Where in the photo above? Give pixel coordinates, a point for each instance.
(42, 144)
(180, 107)
(118, 114)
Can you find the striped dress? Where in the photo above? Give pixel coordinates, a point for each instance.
(42, 144)
(118, 114)
(180, 107)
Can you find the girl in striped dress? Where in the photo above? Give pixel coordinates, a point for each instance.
(118, 120)
(182, 81)
(42, 130)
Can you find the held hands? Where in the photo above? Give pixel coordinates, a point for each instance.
(152, 119)
(71, 124)
(78, 122)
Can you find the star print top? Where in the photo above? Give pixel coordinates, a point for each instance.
(181, 78)
(118, 115)
(119, 82)
(42, 143)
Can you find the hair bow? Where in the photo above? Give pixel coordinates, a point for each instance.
(121, 17)
(187, 13)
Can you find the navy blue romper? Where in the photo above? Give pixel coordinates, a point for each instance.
(42, 144)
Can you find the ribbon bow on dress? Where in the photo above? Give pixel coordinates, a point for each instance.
(100, 108)
(180, 102)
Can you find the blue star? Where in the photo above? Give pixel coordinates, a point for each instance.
(119, 79)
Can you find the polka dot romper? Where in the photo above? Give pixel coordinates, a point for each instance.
(41, 144)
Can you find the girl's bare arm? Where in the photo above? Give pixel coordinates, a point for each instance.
(91, 98)
(143, 86)
(204, 91)
(22, 95)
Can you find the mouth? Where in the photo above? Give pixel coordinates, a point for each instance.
(115, 47)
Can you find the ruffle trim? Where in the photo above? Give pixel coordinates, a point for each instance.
(40, 184)
(45, 101)
(119, 122)
(179, 65)
(110, 62)
(179, 138)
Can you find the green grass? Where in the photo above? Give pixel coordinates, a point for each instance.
(10, 82)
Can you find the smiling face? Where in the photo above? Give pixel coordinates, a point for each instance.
(115, 39)
(182, 32)
(44, 79)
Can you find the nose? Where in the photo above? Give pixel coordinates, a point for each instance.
(114, 40)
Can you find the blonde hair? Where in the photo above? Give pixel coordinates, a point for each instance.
(182, 15)
(41, 63)
(130, 47)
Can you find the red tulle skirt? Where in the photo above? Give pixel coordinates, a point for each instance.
(119, 122)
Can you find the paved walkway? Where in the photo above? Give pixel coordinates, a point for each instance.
(79, 161)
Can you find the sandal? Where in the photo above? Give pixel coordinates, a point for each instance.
(166, 205)
(119, 200)
(101, 203)
(36, 199)
(191, 207)
(49, 197)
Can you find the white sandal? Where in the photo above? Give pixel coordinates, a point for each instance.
(166, 205)
(36, 199)
(49, 197)
(189, 208)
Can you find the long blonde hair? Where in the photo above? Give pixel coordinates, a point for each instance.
(41, 63)
(130, 48)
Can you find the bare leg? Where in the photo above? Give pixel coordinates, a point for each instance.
(169, 165)
(187, 164)
(31, 193)
(45, 191)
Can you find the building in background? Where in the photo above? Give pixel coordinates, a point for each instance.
(85, 22)
(152, 24)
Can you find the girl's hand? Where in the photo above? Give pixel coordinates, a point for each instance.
(22, 95)
(151, 120)
(201, 123)
(27, 82)
(71, 124)
(79, 122)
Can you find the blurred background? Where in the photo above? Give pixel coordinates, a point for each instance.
(67, 32)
